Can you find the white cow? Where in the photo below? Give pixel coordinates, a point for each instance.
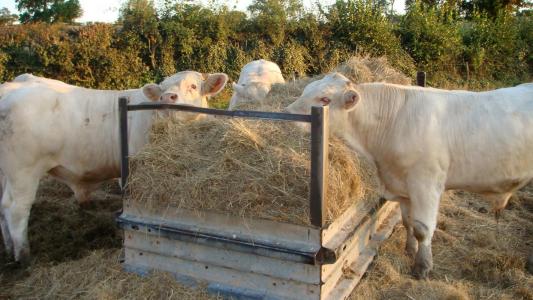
(71, 133)
(255, 81)
(424, 141)
(30, 77)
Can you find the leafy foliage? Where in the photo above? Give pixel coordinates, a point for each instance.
(475, 50)
(6, 17)
(432, 38)
(49, 11)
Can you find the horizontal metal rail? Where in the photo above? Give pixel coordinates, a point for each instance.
(220, 112)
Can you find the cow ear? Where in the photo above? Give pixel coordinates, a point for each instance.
(351, 98)
(214, 84)
(152, 91)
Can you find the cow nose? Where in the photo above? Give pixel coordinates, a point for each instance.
(169, 97)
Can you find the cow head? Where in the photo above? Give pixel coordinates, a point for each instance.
(251, 92)
(188, 88)
(334, 90)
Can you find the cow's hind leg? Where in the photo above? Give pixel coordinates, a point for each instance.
(17, 200)
(425, 197)
(499, 202)
(411, 243)
(6, 236)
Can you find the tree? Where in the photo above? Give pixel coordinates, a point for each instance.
(140, 21)
(272, 17)
(6, 17)
(49, 11)
(493, 7)
(409, 3)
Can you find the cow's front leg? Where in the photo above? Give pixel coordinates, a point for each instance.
(425, 197)
(6, 236)
(17, 200)
(411, 243)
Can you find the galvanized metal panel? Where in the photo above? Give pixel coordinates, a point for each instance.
(345, 224)
(357, 242)
(349, 281)
(253, 230)
(269, 287)
(216, 241)
(240, 261)
(354, 272)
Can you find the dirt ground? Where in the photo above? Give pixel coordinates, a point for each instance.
(76, 254)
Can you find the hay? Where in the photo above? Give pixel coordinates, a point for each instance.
(99, 275)
(475, 257)
(371, 69)
(253, 168)
(75, 254)
(243, 167)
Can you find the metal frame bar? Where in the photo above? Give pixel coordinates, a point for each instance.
(319, 164)
(319, 144)
(421, 78)
(124, 147)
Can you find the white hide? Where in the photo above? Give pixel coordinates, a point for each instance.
(255, 81)
(71, 133)
(425, 141)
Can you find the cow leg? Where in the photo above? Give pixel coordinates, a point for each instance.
(498, 201)
(17, 199)
(6, 236)
(425, 197)
(411, 243)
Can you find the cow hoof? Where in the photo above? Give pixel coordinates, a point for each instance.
(529, 264)
(23, 259)
(423, 262)
(420, 271)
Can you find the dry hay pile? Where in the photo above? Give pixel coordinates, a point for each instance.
(100, 275)
(76, 254)
(371, 69)
(475, 257)
(243, 167)
(252, 168)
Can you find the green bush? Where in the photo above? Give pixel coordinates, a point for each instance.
(147, 44)
(363, 28)
(494, 49)
(431, 38)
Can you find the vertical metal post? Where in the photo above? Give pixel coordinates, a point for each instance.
(421, 78)
(124, 151)
(319, 164)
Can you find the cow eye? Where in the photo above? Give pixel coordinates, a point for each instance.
(193, 86)
(325, 100)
